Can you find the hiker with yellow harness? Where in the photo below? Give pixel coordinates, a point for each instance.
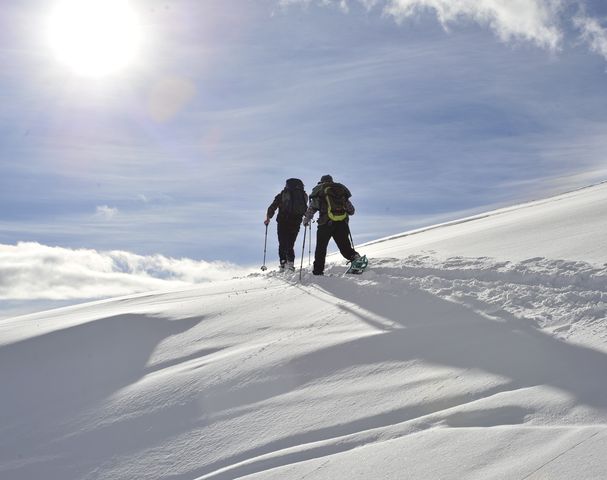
(332, 200)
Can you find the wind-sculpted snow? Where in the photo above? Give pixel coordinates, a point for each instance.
(484, 360)
(498, 318)
(554, 294)
(413, 367)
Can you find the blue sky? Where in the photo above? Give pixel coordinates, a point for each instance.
(427, 109)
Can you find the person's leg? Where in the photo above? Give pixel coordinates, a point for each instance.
(283, 237)
(323, 235)
(341, 235)
(292, 238)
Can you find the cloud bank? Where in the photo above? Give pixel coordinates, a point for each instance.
(30, 271)
(542, 22)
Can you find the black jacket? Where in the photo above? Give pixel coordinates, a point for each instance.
(282, 216)
(319, 204)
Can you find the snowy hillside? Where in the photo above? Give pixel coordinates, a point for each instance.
(472, 350)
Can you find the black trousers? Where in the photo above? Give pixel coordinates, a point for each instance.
(287, 234)
(338, 231)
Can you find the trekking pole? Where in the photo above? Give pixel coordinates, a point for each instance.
(265, 244)
(303, 251)
(310, 247)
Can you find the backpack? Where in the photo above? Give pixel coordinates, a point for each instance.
(293, 202)
(336, 195)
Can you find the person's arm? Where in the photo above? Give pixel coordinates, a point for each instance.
(311, 211)
(272, 208)
(349, 208)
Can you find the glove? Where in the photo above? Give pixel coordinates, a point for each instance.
(266, 222)
(305, 221)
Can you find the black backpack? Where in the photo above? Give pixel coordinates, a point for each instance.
(293, 202)
(336, 195)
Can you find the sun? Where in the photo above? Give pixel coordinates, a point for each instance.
(94, 37)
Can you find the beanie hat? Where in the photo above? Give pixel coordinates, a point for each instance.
(326, 178)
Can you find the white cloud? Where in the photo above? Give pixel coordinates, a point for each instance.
(105, 212)
(534, 20)
(593, 33)
(30, 271)
(542, 22)
(537, 21)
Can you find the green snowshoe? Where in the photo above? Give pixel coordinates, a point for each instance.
(358, 266)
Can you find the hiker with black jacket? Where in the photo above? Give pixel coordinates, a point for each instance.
(332, 200)
(291, 203)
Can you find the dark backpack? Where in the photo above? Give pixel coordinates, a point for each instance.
(293, 202)
(336, 195)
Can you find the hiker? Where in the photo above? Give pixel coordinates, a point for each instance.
(332, 201)
(291, 203)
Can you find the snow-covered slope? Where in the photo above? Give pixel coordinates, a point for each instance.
(475, 350)
(571, 226)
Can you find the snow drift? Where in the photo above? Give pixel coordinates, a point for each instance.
(476, 349)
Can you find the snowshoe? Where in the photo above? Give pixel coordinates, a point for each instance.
(358, 265)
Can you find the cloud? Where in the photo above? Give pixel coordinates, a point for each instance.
(593, 33)
(105, 212)
(542, 22)
(31, 271)
(534, 20)
(537, 21)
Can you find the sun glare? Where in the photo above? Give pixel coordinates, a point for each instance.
(94, 37)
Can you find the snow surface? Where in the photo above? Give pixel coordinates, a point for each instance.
(471, 350)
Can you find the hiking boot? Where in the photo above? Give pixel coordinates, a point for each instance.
(317, 273)
(281, 267)
(291, 266)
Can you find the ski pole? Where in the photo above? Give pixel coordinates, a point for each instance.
(310, 247)
(265, 244)
(303, 251)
